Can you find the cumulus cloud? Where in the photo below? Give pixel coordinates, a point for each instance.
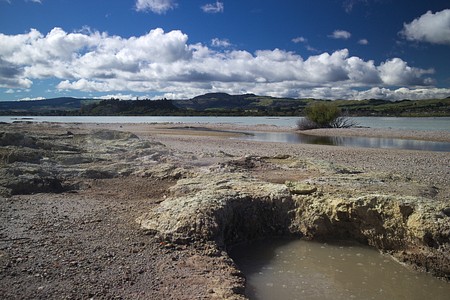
(213, 8)
(431, 28)
(397, 72)
(164, 63)
(340, 34)
(374, 93)
(223, 43)
(156, 6)
(12, 75)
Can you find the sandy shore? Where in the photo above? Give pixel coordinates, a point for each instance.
(428, 167)
(436, 136)
(85, 242)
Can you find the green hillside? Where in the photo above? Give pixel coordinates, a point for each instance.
(221, 104)
(247, 104)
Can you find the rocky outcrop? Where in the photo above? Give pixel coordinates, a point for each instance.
(44, 163)
(232, 207)
(412, 229)
(225, 208)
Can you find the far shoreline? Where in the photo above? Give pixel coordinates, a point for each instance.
(406, 134)
(428, 135)
(290, 122)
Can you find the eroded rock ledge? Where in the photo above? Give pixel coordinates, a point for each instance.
(227, 208)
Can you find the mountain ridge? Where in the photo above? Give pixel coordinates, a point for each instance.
(222, 104)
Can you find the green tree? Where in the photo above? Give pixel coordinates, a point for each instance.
(324, 115)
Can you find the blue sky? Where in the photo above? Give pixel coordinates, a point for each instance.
(347, 49)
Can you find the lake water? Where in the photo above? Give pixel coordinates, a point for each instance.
(285, 269)
(373, 122)
(441, 124)
(365, 142)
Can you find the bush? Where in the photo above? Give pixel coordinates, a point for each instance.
(324, 115)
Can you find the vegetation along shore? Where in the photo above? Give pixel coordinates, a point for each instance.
(221, 104)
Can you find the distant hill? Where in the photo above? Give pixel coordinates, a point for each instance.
(54, 106)
(247, 104)
(220, 104)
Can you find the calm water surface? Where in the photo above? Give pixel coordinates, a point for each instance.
(373, 122)
(365, 142)
(308, 270)
(440, 124)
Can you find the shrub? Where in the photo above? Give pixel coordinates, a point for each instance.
(324, 115)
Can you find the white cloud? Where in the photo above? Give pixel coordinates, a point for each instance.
(431, 28)
(299, 39)
(223, 43)
(363, 42)
(302, 40)
(403, 93)
(340, 34)
(156, 6)
(374, 93)
(213, 8)
(9, 91)
(120, 96)
(397, 72)
(164, 63)
(12, 75)
(32, 99)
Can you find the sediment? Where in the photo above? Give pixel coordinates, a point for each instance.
(179, 201)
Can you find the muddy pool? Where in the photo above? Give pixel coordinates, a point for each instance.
(297, 269)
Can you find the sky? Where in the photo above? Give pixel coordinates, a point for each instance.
(178, 49)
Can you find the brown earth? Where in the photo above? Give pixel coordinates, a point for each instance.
(72, 194)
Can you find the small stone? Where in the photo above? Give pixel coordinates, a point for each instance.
(446, 211)
(300, 188)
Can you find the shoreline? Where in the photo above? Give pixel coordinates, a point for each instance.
(166, 127)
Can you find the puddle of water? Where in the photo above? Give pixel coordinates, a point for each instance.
(300, 269)
(366, 142)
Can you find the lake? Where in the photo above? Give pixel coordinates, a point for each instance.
(427, 124)
(348, 141)
(442, 123)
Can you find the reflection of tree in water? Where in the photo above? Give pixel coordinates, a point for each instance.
(347, 141)
(319, 140)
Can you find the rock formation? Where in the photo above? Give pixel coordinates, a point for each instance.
(233, 207)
